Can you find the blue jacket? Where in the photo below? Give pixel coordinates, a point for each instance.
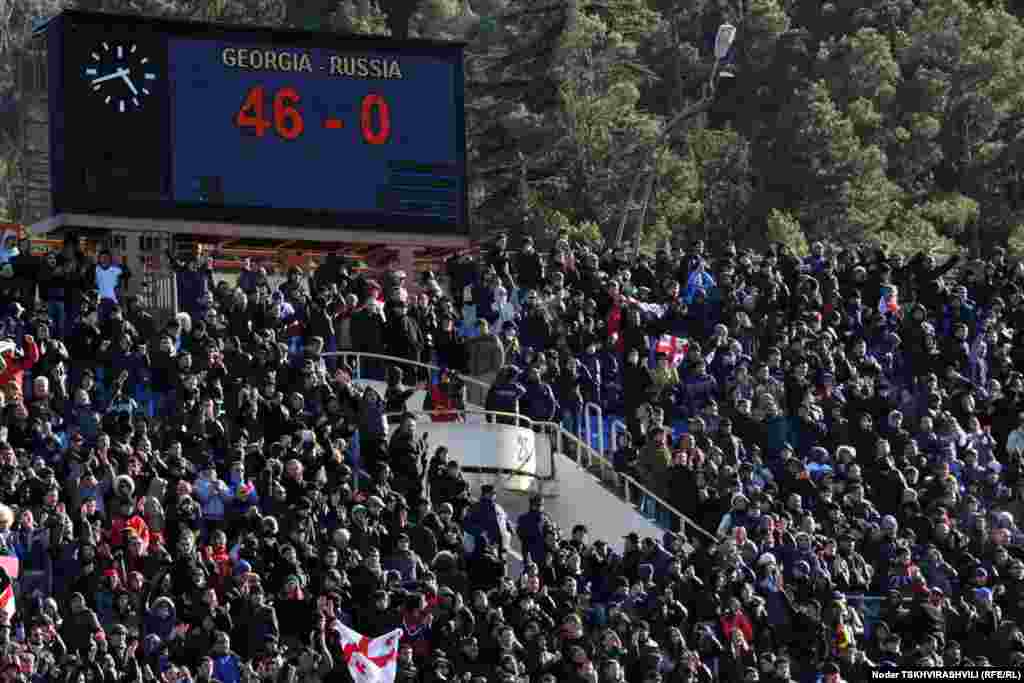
(540, 402)
(777, 434)
(530, 528)
(699, 279)
(227, 669)
(698, 391)
(192, 286)
(505, 397)
(487, 518)
(483, 297)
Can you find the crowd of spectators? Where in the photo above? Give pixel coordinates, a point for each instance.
(205, 498)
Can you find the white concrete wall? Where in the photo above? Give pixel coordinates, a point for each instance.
(488, 445)
(575, 497)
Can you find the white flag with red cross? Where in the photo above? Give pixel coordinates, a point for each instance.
(673, 347)
(9, 570)
(370, 660)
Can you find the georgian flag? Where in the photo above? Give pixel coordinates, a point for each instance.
(890, 301)
(674, 347)
(9, 570)
(370, 661)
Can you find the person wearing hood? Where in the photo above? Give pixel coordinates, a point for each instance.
(16, 360)
(295, 612)
(227, 666)
(161, 618)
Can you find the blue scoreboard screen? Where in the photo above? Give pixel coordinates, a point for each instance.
(259, 126)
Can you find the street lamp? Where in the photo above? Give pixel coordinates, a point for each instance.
(723, 42)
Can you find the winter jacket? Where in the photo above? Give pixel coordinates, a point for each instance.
(485, 355)
(540, 403)
(14, 370)
(505, 397)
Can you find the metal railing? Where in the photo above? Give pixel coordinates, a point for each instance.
(491, 417)
(595, 410)
(355, 359)
(613, 435)
(587, 456)
(633, 489)
(160, 294)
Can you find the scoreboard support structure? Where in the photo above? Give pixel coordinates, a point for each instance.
(133, 237)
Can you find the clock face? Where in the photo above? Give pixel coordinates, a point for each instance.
(120, 75)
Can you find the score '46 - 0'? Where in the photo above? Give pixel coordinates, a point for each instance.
(288, 123)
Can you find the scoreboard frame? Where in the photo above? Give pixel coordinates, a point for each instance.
(122, 163)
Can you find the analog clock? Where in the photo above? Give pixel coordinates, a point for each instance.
(120, 75)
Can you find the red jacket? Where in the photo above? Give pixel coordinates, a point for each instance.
(738, 621)
(613, 325)
(135, 523)
(442, 406)
(16, 367)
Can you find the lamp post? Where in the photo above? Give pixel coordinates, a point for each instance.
(723, 42)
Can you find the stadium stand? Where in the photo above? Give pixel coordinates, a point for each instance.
(588, 465)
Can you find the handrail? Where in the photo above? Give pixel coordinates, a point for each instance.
(395, 360)
(593, 408)
(561, 433)
(519, 418)
(617, 426)
(631, 481)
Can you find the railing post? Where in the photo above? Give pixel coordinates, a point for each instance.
(617, 426)
(595, 409)
(586, 435)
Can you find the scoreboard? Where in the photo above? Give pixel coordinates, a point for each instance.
(192, 121)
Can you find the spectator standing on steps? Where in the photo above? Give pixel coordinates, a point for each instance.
(485, 355)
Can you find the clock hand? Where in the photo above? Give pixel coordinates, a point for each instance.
(124, 75)
(120, 73)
